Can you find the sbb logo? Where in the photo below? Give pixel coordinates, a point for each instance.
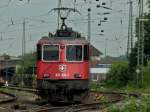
(62, 68)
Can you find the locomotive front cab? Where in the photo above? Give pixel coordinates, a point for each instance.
(62, 69)
(62, 61)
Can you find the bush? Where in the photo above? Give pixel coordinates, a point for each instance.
(119, 75)
(132, 105)
(28, 63)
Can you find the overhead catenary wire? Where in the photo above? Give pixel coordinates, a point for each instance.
(77, 22)
(6, 5)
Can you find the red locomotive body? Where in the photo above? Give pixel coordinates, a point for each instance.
(62, 66)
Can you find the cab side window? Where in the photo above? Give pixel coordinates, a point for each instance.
(86, 52)
(39, 52)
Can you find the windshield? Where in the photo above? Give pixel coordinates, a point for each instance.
(74, 53)
(39, 52)
(51, 52)
(86, 52)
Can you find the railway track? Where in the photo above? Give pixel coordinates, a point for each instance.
(77, 107)
(28, 89)
(113, 97)
(21, 88)
(96, 105)
(101, 92)
(100, 100)
(6, 97)
(119, 93)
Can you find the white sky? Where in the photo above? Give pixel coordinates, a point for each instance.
(115, 30)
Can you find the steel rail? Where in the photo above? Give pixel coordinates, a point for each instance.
(21, 89)
(11, 98)
(79, 107)
(121, 93)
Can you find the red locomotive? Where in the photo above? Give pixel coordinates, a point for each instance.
(63, 66)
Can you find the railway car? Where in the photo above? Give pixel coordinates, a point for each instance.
(63, 66)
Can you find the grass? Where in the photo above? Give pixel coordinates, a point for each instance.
(16, 92)
(129, 88)
(6, 90)
(129, 104)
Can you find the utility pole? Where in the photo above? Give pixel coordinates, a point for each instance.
(89, 24)
(6, 72)
(58, 18)
(23, 49)
(106, 46)
(131, 19)
(1, 38)
(140, 50)
(23, 39)
(130, 29)
(74, 4)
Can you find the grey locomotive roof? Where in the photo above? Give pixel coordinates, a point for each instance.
(65, 40)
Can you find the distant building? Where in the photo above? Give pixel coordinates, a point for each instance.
(95, 54)
(95, 57)
(8, 66)
(99, 71)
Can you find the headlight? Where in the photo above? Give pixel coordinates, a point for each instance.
(46, 75)
(77, 76)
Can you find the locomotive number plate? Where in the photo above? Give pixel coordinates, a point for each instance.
(61, 75)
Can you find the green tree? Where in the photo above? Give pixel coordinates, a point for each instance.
(119, 75)
(27, 64)
(26, 70)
